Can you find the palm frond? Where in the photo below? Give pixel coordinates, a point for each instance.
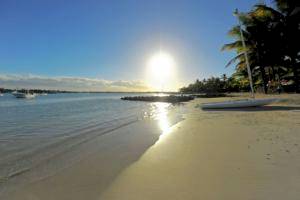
(245, 18)
(233, 60)
(263, 9)
(241, 65)
(234, 32)
(232, 46)
(261, 14)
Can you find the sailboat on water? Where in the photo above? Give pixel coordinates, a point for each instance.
(246, 102)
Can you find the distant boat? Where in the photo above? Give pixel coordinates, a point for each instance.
(238, 103)
(1, 95)
(23, 95)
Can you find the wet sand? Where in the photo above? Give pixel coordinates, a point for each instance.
(104, 158)
(236, 154)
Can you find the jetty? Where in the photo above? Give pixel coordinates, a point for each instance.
(169, 99)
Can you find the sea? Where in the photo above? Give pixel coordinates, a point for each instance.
(33, 131)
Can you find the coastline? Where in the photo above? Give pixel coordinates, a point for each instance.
(237, 154)
(103, 157)
(109, 153)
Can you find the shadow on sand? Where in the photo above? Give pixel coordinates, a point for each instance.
(262, 108)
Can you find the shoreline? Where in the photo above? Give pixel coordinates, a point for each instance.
(118, 148)
(235, 154)
(110, 146)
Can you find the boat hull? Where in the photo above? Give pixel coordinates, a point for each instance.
(24, 95)
(238, 103)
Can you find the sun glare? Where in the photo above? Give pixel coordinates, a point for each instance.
(160, 70)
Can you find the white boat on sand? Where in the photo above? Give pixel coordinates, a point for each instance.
(238, 103)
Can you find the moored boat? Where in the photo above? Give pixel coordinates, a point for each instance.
(26, 95)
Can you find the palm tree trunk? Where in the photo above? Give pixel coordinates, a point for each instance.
(264, 79)
(273, 73)
(296, 77)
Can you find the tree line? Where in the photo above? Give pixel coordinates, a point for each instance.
(217, 85)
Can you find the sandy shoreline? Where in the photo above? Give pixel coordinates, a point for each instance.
(210, 155)
(104, 158)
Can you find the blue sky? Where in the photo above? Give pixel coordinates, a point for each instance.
(112, 40)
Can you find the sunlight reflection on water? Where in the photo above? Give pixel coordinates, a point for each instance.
(161, 115)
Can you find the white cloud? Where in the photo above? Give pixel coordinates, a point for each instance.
(70, 83)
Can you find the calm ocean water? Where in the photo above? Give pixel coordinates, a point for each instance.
(28, 127)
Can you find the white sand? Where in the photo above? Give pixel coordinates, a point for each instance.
(220, 155)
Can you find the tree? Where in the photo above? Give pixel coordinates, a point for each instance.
(286, 24)
(271, 36)
(253, 26)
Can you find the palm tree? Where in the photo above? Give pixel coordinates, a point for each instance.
(271, 36)
(254, 26)
(286, 17)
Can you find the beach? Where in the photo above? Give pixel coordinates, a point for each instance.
(234, 154)
(149, 100)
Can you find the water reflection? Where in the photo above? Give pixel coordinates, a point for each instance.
(161, 115)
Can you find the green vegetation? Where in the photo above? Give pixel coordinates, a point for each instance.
(213, 85)
(271, 34)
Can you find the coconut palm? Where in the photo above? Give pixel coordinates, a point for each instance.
(255, 35)
(271, 36)
(286, 25)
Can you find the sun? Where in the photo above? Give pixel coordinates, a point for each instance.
(160, 70)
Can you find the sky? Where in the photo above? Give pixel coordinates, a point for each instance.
(104, 43)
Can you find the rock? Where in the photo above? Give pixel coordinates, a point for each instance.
(169, 99)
